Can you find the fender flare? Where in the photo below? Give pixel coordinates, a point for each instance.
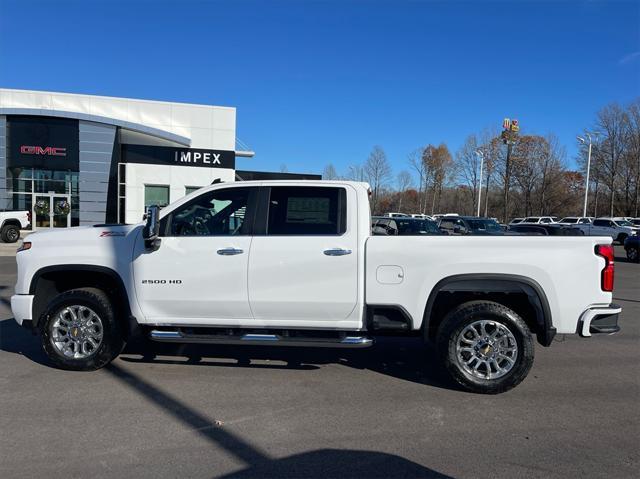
(111, 273)
(11, 221)
(498, 283)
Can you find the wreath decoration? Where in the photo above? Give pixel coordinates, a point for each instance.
(41, 207)
(62, 207)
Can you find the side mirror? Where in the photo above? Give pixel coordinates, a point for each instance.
(457, 229)
(151, 230)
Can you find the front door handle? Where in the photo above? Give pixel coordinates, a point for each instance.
(229, 251)
(337, 252)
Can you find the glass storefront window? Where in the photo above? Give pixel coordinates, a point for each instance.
(156, 195)
(24, 183)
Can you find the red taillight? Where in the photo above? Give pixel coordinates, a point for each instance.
(606, 277)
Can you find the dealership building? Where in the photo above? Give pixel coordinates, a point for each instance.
(75, 159)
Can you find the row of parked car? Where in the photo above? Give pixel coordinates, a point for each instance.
(625, 231)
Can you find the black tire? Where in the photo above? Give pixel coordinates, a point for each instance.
(10, 233)
(466, 314)
(112, 339)
(633, 254)
(621, 238)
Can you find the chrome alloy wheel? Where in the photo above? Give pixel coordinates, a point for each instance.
(77, 332)
(486, 349)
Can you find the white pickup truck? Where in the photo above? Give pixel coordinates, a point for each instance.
(11, 222)
(294, 263)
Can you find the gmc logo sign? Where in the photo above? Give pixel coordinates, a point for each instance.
(47, 150)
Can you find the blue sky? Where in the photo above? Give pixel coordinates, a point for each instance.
(325, 81)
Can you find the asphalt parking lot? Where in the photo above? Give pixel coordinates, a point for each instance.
(234, 412)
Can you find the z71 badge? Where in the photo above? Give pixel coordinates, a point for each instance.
(105, 234)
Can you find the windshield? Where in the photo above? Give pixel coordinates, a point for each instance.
(484, 225)
(569, 220)
(623, 223)
(417, 227)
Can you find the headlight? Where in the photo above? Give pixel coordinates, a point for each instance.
(25, 246)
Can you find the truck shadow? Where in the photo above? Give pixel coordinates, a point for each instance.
(403, 358)
(343, 463)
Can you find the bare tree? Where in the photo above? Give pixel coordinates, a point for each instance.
(634, 153)
(404, 182)
(551, 169)
(612, 121)
(468, 169)
(329, 172)
(377, 171)
(356, 173)
(416, 163)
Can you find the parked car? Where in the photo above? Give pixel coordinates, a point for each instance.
(632, 248)
(421, 216)
(381, 225)
(635, 221)
(575, 220)
(618, 228)
(470, 225)
(516, 221)
(397, 215)
(11, 222)
(554, 229)
(539, 219)
(294, 264)
(439, 216)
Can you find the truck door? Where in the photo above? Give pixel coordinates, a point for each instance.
(199, 272)
(601, 228)
(304, 265)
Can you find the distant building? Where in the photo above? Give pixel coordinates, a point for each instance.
(81, 159)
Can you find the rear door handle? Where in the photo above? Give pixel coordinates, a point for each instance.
(229, 251)
(337, 252)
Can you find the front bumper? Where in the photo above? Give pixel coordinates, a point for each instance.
(599, 320)
(22, 307)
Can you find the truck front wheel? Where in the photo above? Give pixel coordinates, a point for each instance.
(485, 346)
(10, 233)
(80, 331)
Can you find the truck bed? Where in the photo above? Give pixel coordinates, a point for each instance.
(402, 270)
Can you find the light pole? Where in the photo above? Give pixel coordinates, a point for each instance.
(480, 153)
(586, 186)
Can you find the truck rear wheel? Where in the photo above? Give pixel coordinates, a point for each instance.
(80, 331)
(10, 233)
(485, 346)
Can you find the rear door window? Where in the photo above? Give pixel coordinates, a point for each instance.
(304, 211)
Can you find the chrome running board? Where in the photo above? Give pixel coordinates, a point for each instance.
(261, 339)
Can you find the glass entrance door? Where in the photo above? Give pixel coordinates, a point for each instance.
(51, 210)
(61, 211)
(41, 211)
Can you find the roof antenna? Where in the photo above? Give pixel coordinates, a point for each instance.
(216, 181)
